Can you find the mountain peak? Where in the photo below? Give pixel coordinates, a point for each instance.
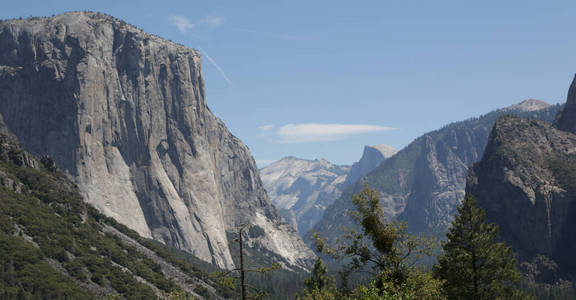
(528, 105)
(384, 149)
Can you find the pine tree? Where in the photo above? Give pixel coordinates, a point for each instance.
(474, 265)
(320, 285)
(319, 279)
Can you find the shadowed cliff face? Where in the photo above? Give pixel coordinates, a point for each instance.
(525, 182)
(424, 182)
(566, 119)
(124, 113)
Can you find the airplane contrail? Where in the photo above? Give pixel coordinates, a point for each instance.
(215, 64)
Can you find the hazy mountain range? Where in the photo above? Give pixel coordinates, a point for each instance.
(302, 189)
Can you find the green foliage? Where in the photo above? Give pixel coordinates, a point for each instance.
(385, 251)
(319, 294)
(419, 285)
(541, 278)
(319, 281)
(24, 274)
(46, 220)
(564, 170)
(473, 265)
(370, 216)
(319, 285)
(560, 290)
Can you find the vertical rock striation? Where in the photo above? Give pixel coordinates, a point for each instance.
(525, 183)
(124, 113)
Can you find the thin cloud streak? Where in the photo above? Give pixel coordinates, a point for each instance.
(215, 64)
(213, 20)
(316, 132)
(266, 127)
(183, 24)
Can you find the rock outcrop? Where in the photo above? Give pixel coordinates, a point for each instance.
(371, 158)
(423, 183)
(124, 113)
(526, 184)
(566, 119)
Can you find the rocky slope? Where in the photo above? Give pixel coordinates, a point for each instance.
(423, 183)
(53, 245)
(124, 113)
(302, 189)
(525, 182)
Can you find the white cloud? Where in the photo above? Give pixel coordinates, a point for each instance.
(315, 132)
(183, 24)
(213, 20)
(266, 127)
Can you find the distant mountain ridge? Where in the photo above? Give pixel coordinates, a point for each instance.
(423, 183)
(302, 189)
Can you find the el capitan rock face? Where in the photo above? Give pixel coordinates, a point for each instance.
(124, 113)
(525, 183)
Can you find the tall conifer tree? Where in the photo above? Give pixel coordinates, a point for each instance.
(474, 265)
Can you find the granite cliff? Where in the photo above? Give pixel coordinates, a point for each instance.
(124, 114)
(526, 183)
(423, 183)
(371, 158)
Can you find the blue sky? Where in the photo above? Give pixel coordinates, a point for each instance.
(320, 79)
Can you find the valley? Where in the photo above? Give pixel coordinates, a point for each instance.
(118, 180)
